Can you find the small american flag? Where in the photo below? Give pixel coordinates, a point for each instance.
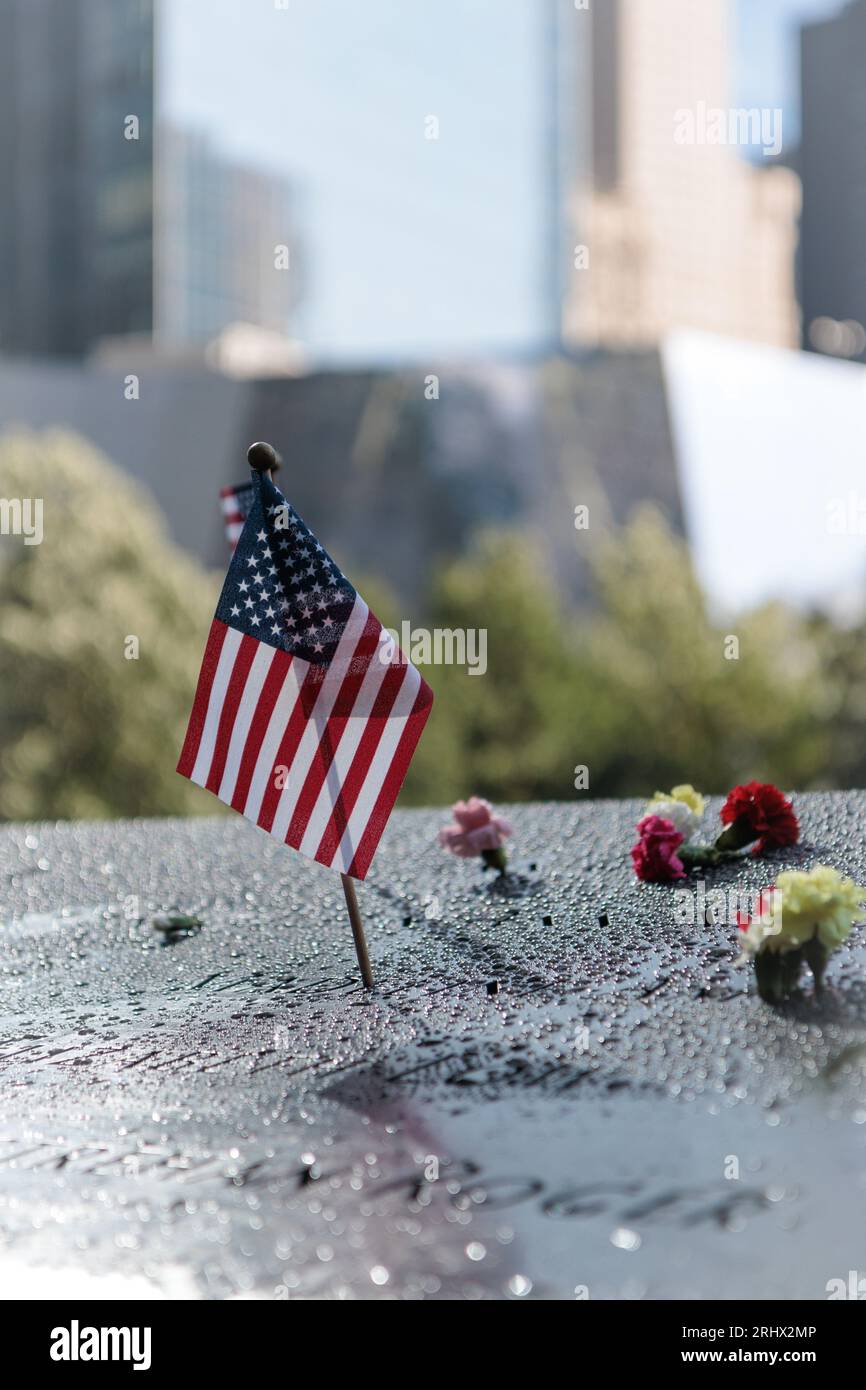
(235, 502)
(306, 715)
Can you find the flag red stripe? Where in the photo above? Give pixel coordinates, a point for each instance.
(392, 783)
(333, 730)
(209, 664)
(364, 754)
(273, 684)
(237, 681)
(307, 696)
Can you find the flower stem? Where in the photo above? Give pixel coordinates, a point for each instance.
(777, 974)
(816, 958)
(704, 856)
(737, 836)
(495, 859)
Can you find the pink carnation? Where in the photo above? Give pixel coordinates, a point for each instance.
(476, 829)
(654, 856)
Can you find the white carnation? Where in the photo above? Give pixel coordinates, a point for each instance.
(682, 816)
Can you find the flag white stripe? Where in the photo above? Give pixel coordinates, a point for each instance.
(378, 771)
(244, 717)
(280, 715)
(225, 666)
(315, 726)
(345, 752)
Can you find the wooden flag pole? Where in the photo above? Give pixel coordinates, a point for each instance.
(265, 459)
(357, 931)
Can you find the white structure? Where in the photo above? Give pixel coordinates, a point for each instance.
(771, 453)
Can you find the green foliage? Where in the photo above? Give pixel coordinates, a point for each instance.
(84, 732)
(638, 688)
(667, 696)
(509, 732)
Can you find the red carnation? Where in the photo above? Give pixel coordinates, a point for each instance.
(758, 811)
(654, 856)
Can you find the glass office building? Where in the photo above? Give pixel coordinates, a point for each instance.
(76, 157)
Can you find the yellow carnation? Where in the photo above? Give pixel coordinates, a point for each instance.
(685, 793)
(819, 904)
(693, 799)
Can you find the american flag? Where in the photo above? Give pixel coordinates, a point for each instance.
(235, 503)
(306, 715)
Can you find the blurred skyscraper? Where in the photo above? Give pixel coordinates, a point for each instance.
(678, 230)
(833, 170)
(116, 226)
(76, 200)
(453, 165)
(223, 252)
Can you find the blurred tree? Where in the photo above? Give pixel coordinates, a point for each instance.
(672, 696)
(509, 732)
(86, 731)
(842, 653)
(645, 691)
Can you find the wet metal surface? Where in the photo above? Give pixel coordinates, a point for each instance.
(531, 1104)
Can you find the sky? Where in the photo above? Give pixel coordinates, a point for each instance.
(766, 56)
(409, 239)
(404, 237)
(397, 225)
